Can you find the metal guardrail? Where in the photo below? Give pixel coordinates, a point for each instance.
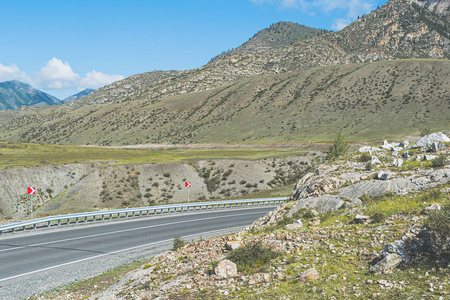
(134, 212)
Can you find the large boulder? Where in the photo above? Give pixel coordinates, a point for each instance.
(438, 137)
(391, 257)
(226, 269)
(384, 175)
(387, 264)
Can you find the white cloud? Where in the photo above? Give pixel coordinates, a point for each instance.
(289, 3)
(352, 8)
(13, 73)
(339, 24)
(94, 80)
(57, 75)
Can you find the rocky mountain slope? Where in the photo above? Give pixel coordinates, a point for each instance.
(364, 100)
(14, 94)
(276, 36)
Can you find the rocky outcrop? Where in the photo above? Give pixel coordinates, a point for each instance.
(334, 187)
(428, 140)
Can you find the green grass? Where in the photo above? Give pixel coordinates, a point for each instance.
(17, 155)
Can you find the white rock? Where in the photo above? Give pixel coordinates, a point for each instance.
(375, 161)
(396, 149)
(233, 245)
(430, 208)
(368, 149)
(404, 144)
(384, 175)
(438, 137)
(226, 269)
(398, 162)
(430, 157)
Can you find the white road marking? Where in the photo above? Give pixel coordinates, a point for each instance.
(109, 253)
(80, 226)
(119, 231)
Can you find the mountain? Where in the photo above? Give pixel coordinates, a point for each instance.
(78, 95)
(296, 92)
(399, 29)
(14, 94)
(276, 36)
(365, 101)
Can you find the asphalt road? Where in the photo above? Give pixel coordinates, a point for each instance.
(30, 254)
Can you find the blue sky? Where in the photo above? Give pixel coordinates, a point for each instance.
(64, 46)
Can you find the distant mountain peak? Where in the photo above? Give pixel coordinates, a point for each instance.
(15, 94)
(77, 96)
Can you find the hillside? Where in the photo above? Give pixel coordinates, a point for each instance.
(14, 94)
(276, 36)
(365, 101)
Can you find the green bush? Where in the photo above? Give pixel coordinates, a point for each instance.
(378, 217)
(339, 148)
(365, 157)
(369, 166)
(438, 223)
(252, 258)
(178, 243)
(438, 162)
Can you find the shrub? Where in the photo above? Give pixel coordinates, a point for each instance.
(178, 243)
(438, 162)
(252, 258)
(369, 166)
(365, 157)
(378, 217)
(438, 223)
(339, 148)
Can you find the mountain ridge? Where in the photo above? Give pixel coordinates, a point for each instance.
(15, 94)
(296, 107)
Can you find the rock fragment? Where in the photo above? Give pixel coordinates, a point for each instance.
(310, 274)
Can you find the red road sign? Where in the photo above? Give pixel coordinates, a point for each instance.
(187, 184)
(31, 190)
